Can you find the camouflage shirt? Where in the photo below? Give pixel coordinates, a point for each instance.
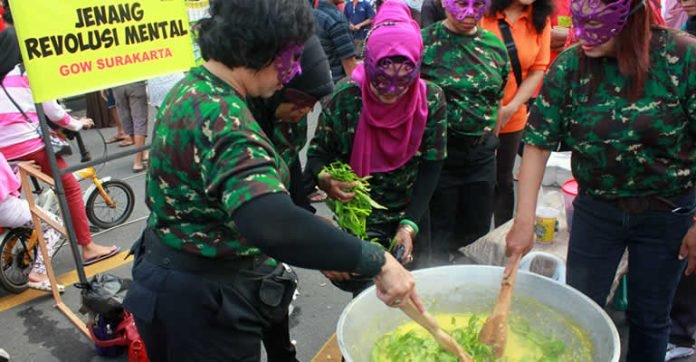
(208, 157)
(472, 70)
(623, 148)
(289, 138)
(333, 141)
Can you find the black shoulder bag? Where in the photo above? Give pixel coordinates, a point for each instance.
(511, 50)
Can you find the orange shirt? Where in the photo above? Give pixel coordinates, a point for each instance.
(533, 50)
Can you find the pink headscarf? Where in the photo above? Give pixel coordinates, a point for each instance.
(388, 135)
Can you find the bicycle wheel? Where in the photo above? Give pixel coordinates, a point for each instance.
(15, 260)
(102, 215)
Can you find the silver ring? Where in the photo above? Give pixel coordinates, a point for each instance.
(396, 301)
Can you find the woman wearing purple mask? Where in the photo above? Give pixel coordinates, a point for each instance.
(624, 102)
(390, 124)
(471, 66)
(221, 218)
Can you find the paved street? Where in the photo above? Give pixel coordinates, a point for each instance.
(32, 330)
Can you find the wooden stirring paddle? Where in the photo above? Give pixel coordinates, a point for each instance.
(427, 321)
(494, 331)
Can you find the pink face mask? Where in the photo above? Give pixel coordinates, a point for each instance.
(461, 9)
(288, 63)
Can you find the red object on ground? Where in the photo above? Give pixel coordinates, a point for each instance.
(127, 336)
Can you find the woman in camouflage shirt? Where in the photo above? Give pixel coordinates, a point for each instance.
(471, 65)
(207, 277)
(390, 124)
(624, 101)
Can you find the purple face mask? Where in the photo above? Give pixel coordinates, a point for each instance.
(596, 22)
(288, 63)
(390, 77)
(461, 9)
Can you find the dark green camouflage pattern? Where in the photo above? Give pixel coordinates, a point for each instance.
(472, 70)
(623, 148)
(289, 138)
(208, 157)
(333, 141)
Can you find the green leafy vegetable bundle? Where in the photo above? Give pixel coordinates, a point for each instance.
(352, 216)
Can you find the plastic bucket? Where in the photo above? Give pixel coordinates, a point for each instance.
(570, 190)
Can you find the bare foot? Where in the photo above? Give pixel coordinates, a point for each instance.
(94, 250)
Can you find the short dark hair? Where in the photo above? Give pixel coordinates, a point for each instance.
(541, 10)
(245, 33)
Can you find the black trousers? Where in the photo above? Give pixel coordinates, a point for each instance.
(276, 340)
(683, 313)
(504, 187)
(187, 316)
(462, 205)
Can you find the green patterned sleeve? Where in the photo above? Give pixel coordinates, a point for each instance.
(544, 126)
(435, 137)
(238, 164)
(323, 148)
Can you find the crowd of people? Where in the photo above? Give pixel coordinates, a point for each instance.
(434, 100)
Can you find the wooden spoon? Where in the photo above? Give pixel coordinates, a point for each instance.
(494, 331)
(427, 321)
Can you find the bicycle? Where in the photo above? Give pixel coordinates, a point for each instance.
(108, 203)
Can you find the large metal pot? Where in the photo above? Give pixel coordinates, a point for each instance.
(550, 307)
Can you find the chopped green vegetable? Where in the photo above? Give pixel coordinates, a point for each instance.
(552, 349)
(414, 346)
(352, 216)
(411, 346)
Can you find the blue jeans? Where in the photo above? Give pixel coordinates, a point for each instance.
(601, 232)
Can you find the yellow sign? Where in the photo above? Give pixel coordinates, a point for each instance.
(72, 47)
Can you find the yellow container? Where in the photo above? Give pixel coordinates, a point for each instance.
(546, 222)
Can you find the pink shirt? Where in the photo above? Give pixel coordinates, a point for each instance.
(19, 136)
(675, 16)
(9, 182)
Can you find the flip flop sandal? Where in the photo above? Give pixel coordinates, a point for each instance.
(44, 286)
(96, 259)
(125, 143)
(139, 170)
(115, 139)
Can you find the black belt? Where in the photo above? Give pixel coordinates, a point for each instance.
(159, 254)
(637, 205)
(469, 140)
